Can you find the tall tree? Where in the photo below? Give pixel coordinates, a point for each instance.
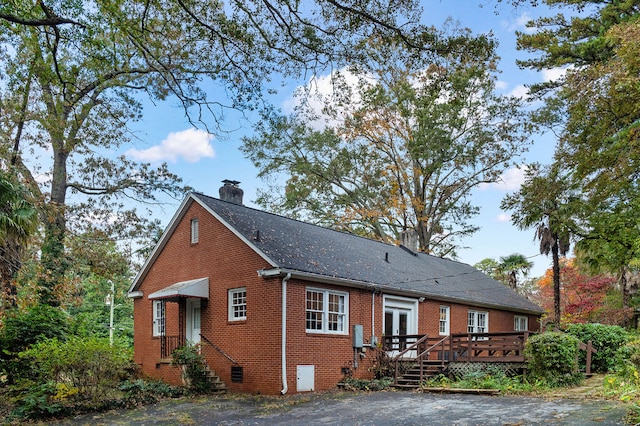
(597, 105)
(546, 202)
(398, 145)
(76, 71)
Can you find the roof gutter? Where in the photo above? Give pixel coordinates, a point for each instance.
(281, 272)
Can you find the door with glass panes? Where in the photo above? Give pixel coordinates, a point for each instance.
(400, 321)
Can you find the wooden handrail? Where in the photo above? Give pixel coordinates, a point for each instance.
(432, 347)
(412, 347)
(219, 349)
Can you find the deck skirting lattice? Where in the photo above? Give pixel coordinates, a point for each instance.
(460, 369)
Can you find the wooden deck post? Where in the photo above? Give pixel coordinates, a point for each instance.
(589, 350)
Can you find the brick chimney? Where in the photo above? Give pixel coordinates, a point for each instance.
(231, 192)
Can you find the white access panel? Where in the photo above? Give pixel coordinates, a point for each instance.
(306, 378)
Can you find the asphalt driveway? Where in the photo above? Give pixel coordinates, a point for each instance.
(379, 408)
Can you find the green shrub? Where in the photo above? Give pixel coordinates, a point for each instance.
(552, 358)
(83, 371)
(139, 392)
(606, 339)
(23, 329)
(32, 401)
(628, 356)
(491, 377)
(367, 385)
(194, 368)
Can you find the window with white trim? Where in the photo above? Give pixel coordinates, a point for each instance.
(444, 320)
(326, 311)
(237, 304)
(520, 323)
(159, 319)
(477, 322)
(195, 230)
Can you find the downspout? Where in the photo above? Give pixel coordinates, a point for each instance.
(285, 387)
(373, 316)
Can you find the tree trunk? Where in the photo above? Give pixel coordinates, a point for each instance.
(53, 255)
(556, 282)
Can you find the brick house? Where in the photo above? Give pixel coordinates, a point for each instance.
(280, 305)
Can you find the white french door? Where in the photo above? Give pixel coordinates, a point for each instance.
(400, 320)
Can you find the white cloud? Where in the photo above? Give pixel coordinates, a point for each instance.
(192, 145)
(501, 85)
(521, 91)
(326, 90)
(510, 180)
(520, 24)
(553, 74)
(504, 217)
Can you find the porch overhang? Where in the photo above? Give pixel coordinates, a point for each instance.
(193, 288)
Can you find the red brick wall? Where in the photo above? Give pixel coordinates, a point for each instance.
(429, 316)
(256, 342)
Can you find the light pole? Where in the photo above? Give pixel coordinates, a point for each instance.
(110, 300)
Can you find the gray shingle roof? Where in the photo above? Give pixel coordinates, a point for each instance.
(307, 248)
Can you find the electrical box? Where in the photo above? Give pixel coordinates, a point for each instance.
(358, 336)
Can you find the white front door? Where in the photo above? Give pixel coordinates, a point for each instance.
(400, 320)
(193, 321)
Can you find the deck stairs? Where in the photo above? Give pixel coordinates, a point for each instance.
(419, 372)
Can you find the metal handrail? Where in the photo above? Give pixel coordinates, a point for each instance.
(219, 349)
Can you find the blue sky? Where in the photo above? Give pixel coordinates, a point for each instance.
(204, 160)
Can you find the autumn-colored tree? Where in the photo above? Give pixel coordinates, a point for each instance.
(585, 298)
(397, 146)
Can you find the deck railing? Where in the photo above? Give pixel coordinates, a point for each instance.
(488, 347)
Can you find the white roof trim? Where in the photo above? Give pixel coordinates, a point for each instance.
(192, 288)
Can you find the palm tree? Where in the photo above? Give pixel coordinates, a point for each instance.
(18, 221)
(545, 202)
(513, 265)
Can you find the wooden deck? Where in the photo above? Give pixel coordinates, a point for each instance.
(418, 357)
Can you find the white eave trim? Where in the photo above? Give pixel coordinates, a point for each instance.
(135, 294)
